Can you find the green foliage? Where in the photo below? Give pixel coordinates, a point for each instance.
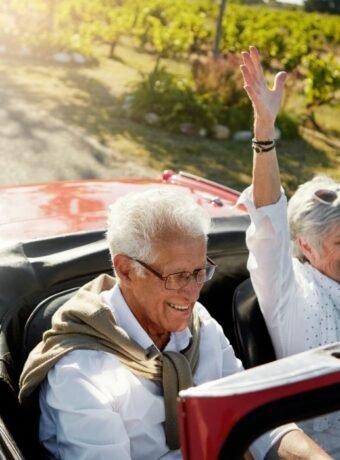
(215, 96)
(177, 28)
(185, 30)
(288, 125)
(173, 99)
(322, 79)
(173, 27)
(219, 78)
(218, 81)
(282, 36)
(237, 117)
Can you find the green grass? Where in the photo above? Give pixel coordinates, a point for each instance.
(88, 97)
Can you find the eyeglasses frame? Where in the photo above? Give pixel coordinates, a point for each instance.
(164, 278)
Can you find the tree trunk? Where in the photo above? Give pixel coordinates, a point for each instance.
(216, 51)
(157, 63)
(113, 45)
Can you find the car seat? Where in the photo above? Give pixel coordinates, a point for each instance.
(40, 319)
(31, 274)
(253, 343)
(38, 322)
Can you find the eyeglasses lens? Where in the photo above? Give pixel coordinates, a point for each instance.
(179, 280)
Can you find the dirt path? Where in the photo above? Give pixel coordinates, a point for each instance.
(35, 147)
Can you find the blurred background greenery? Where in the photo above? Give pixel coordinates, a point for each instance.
(106, 65)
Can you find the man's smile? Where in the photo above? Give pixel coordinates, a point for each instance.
(179, 307)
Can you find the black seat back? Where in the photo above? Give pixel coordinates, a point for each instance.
(30, 272)
(227, 247)
(253, 343)
(40, 319)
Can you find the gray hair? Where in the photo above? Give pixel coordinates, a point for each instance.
(309, 218)
(139, 220)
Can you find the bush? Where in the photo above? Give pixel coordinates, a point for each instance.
(173, 99)
(288, 126)
(215, 95)
(219, 78)
(238, 117)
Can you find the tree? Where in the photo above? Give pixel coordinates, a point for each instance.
(321, 84)
(323, 6)
(218, 36)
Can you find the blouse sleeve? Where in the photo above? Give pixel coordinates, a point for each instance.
(270, 263)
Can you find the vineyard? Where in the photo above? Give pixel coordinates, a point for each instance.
(168, 27)
(180, 34)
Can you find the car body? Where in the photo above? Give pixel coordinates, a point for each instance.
(220, 419)
(53, 241)
(48, 209)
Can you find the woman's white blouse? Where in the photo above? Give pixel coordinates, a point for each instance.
(301, 306)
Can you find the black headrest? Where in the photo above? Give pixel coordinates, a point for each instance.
(253, 343)
(40, 319)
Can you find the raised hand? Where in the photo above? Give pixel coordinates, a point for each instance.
(266, 102)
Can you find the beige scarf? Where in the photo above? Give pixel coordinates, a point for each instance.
(86, 322)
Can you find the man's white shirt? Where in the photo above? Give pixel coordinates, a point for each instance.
(92, 407)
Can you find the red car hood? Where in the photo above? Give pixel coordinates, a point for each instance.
(54, 208)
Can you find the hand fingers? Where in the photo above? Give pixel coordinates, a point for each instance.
(248, 62)
(279, 81)
(249, 85)
(246, 74)
(252, 59)
(255, 56)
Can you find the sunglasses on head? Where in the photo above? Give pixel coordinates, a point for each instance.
(326, 196)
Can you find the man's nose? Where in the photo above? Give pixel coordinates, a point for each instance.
(192, 289)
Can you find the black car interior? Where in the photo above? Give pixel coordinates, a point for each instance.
(37, 277)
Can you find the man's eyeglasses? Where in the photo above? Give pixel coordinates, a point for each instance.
(326, 196)
(179, 280)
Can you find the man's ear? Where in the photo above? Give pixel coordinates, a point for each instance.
(123, 268)
(308, 251)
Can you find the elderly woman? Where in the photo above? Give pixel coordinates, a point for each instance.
(297, 284)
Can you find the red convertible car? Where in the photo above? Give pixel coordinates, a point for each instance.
(53, 241)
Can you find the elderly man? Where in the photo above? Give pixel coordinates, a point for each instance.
(119, 351)
(294, 263)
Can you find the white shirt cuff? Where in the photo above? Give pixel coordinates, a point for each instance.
(272, 213)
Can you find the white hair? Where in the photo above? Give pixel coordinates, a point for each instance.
(140, 220)
(309, 218)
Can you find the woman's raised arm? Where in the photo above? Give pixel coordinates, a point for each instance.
(266, 103)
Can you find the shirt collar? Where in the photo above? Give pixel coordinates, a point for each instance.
(127, 321)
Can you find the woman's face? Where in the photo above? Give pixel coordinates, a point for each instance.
(327, 259)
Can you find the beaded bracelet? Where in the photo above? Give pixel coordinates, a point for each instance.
(263, 146)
